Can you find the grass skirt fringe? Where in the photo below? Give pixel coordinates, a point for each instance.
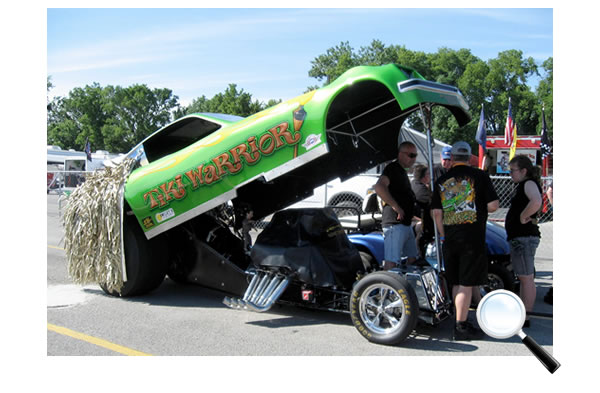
(92, 222)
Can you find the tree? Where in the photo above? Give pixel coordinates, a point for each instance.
(507, 77)
(377, 54)
(111, 118)
(76, 118)
(544, 94)
(490, 83)
(231, 101)
(333, 63)
(137, 112)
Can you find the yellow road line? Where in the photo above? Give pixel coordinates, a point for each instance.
(58, 248)
(96, 341)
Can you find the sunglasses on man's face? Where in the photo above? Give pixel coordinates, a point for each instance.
(411, 155)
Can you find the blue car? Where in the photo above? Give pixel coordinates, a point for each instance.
(368, 239)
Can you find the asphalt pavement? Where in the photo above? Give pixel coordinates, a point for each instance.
(191, 320)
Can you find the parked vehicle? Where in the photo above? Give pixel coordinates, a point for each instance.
(349, 194)
(185, 200)
(500, 273)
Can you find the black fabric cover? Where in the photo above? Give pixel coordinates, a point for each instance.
(312, 243)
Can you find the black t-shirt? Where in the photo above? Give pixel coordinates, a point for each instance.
(438, 171)
(423, 203)
(463, 194)
(513, 225)
(401, 192)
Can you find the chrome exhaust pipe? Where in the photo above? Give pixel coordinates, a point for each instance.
(268, 291)
(261, 286)
(252, 286)
(263, 291)
(228, 302)
(271, 299)
(241, 304)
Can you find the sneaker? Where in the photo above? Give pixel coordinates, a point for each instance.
(464, 331)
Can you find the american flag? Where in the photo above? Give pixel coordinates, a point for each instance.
(545, 144)
(510, 126)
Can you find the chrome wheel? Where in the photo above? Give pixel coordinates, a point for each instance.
(381, 308)
(384, 307)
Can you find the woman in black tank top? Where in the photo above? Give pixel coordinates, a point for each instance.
(521, 226)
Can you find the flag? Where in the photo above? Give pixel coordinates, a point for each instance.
(545, 144)
(513, 146)
(510, 132)
(480, 137)
(510, 125)
(88, 150)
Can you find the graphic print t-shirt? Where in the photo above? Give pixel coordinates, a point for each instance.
(463, 194)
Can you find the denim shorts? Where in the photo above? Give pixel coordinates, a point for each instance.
(522, 254)
(399, 241)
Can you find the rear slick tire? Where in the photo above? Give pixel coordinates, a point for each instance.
(145, 261)
(384, 308)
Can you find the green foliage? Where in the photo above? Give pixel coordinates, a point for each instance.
(232, 102)
(111, 118)
(489, 82)
(117, 118)
(544, 94)
(334, 63)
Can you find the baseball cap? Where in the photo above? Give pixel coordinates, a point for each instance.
(446, 152)
(461, 148)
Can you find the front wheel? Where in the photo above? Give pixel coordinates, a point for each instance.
(145, 260)
(384, 308)
(499, 277)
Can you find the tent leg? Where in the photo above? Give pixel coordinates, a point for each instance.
(425, 111)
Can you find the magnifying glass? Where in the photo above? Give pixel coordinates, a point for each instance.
(501, 315)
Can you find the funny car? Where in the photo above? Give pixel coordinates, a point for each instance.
(187, 189)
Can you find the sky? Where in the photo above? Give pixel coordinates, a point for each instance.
(265, 51)
(268, 52)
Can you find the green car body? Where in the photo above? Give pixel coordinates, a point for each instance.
(278, 156)
(184, 208)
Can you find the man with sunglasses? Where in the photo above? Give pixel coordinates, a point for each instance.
(394, 189)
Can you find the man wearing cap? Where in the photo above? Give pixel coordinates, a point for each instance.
(394, 189)
(444, 165)
(460, 204)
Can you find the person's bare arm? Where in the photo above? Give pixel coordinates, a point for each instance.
(438, 216)
(493, 206)
(535, 202)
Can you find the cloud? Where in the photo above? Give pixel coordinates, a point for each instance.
(92, 64)
(156, 44)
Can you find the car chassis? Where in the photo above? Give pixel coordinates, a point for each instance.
(181, 214)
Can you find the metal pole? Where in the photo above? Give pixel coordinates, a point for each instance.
(426, 117)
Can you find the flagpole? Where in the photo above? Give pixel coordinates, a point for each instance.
(544, 159)
(481, 152)
(480, 137)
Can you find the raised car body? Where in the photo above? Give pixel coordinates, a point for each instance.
(278, 156)
(189, 197)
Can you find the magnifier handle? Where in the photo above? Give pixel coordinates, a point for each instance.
(547, 360)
